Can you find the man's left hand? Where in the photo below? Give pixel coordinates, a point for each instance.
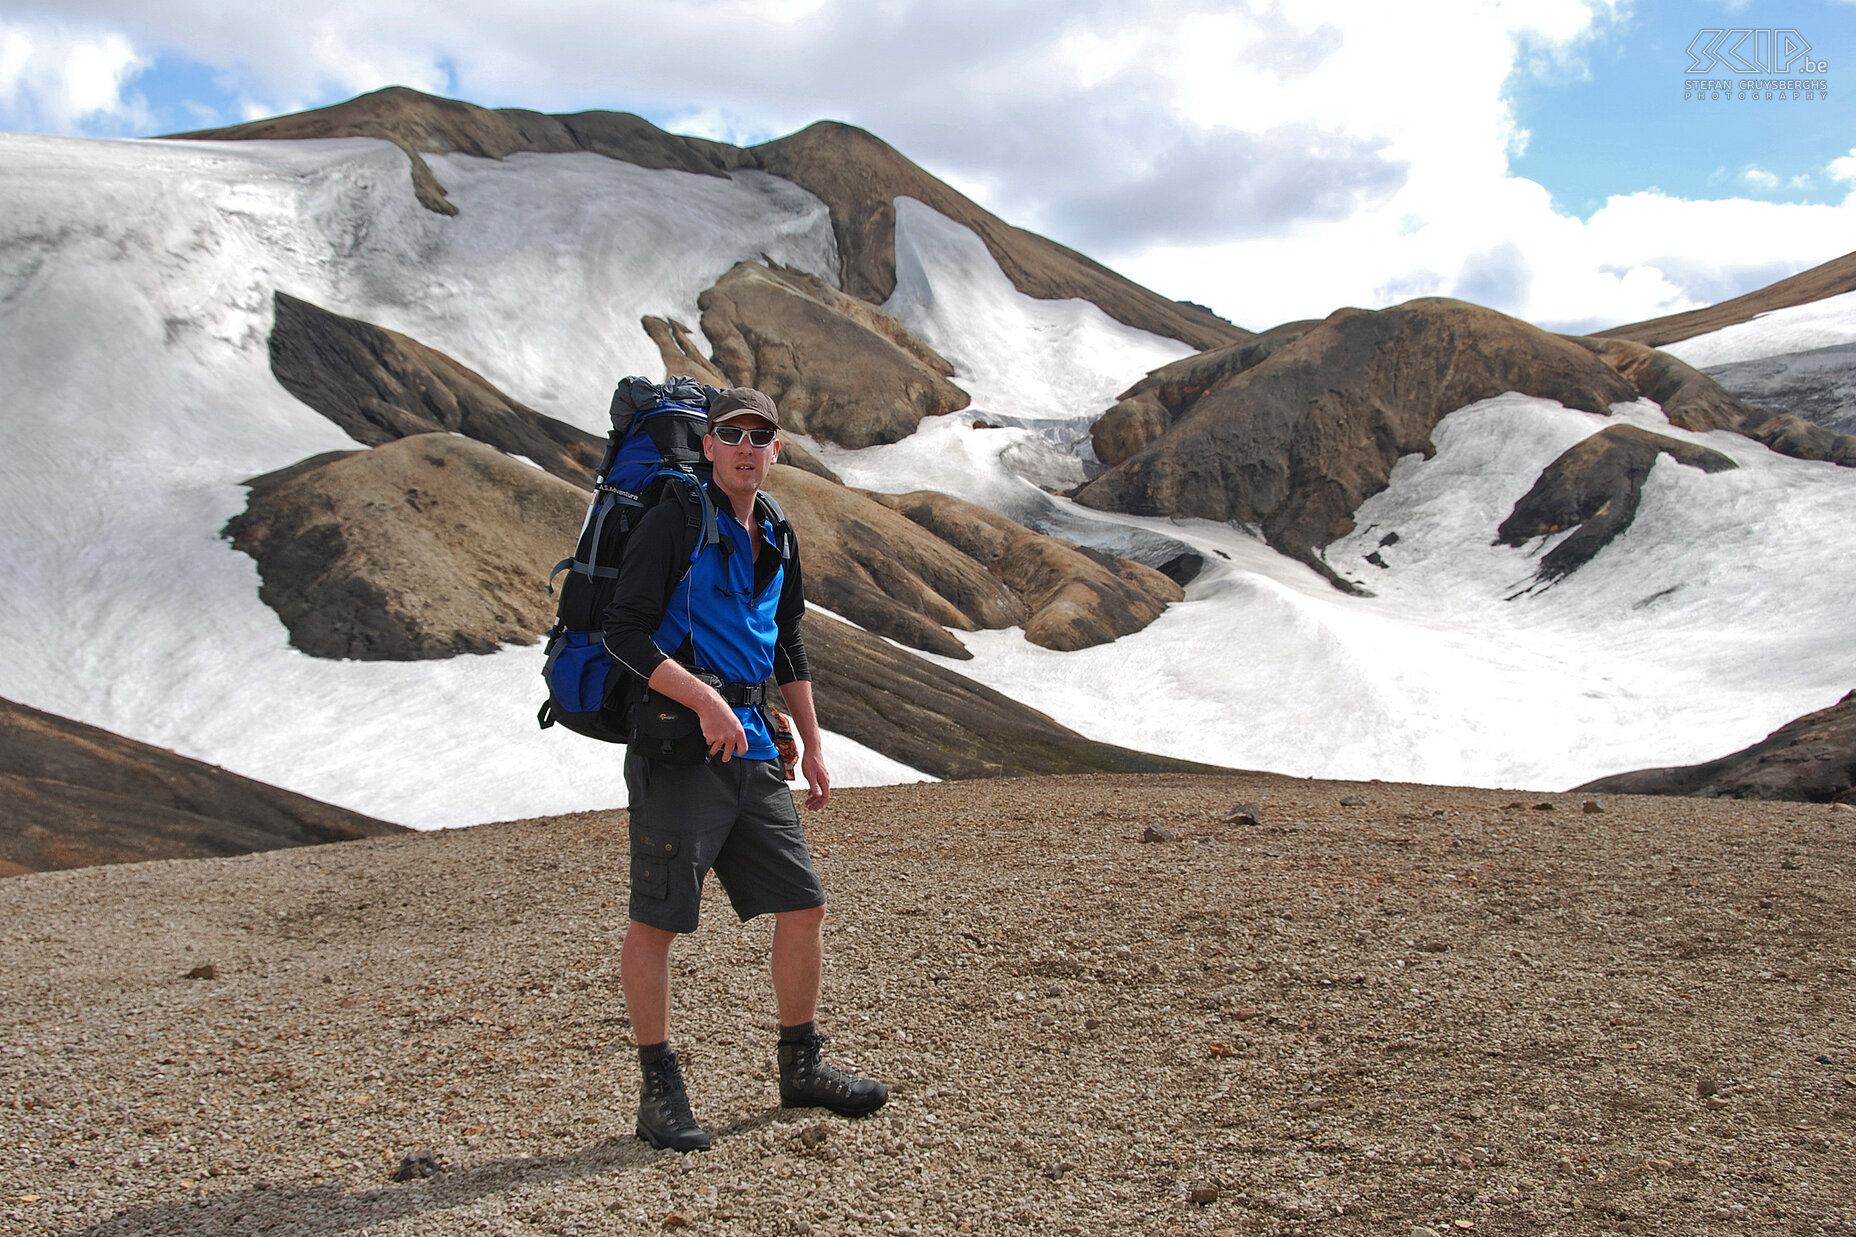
(818, 781)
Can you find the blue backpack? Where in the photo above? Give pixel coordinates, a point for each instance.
(653, 455)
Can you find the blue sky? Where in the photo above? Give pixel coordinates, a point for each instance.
(1614, 119)
(1271, 161)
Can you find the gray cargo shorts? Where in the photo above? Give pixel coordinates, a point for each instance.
(737, 818)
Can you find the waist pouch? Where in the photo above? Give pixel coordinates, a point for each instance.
(668, 731)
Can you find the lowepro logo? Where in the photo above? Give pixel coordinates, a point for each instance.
(1743, 50)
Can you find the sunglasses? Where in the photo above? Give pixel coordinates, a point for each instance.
(731, 435)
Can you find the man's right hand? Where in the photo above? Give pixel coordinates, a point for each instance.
(721, 728)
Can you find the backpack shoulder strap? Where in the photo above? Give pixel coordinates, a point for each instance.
(773, 516)
(692, 496)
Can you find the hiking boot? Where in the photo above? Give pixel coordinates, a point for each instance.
(807, 1080)
(664, 1117)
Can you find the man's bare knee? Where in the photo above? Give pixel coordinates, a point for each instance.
(811, 917)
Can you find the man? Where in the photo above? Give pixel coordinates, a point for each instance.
(731, 609)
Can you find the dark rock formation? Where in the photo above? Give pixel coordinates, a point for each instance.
(943, 723)
(423, 547)
(858, 176)
(681, 353)
(379, 385)
(1689, 398)
(1077, 598)
(1595, 485)
(77, 795)
(838, 368)
(1151, 406)
(1294, 443)
(1811, 759)
(424, 124)
(1830, 279)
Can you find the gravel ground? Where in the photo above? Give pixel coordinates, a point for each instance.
(1379, 1009)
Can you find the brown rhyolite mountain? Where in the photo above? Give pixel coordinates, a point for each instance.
(1151, 406)
(1595, 485)
(858, 177)
(1812, 758)
(1293, 443)
(1831, 278)
(423, 547)
(1077, 597)
(839, 369)
(77, 795)
(1289, 432)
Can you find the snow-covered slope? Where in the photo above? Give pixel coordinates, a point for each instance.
(135, 301)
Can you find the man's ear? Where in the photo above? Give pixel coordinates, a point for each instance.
(708, 447)
(773, 456)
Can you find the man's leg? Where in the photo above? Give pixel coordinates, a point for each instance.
(798, 959)
(644, 973)
(806, 1079)
(664, 1118)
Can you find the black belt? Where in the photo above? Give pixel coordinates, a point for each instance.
(743, 695)
(734, 695)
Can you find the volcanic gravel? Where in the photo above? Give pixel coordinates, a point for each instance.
(1377, 1009)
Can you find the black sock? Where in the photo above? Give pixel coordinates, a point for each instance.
(650, 1054)
(799, 1034)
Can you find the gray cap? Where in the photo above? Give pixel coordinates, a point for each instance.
(734, 402)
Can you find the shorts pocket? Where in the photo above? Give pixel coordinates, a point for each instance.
(652, 850)
(650, 880)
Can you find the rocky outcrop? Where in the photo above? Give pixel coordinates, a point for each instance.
(858, 176)
(422, 124)
(1151, 406)
(1811, 759)
(1830, 279)
(1694, 401)
(380, 385)
(887, 574)
(943, 723)
(838, 368)
(423, 547)
(1689, 398)
(1076, 598)
(1293, 444)
(1595, 486)
(77, 795)
(1801, 439)
(681, 353)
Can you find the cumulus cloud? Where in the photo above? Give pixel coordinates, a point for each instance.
(1759, 178)
(60, 79)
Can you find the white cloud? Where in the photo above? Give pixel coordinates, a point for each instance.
(1843, 168)
(1759, 178)
(60, 79)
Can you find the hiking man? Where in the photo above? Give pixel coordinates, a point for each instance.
(730, 609)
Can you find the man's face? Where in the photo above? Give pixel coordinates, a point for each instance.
(741, 469)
